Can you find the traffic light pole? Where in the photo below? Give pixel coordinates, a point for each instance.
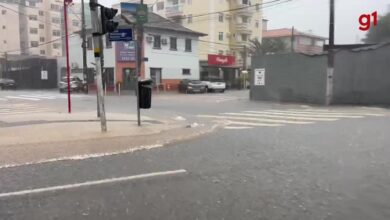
(97, 52)
(66, 2)
(140, 59)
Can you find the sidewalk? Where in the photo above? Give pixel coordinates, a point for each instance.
(35, 138)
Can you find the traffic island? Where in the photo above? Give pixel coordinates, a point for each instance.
(41, 138)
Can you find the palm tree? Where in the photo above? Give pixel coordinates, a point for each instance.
(267, 46)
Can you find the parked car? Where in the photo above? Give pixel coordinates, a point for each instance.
(76, 84)
(192, 86)
(7, 84)
(215, 85)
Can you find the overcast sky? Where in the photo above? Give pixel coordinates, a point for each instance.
(314, 15)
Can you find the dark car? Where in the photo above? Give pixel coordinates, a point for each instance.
(76, 84)
(7, 84)
(192, 86)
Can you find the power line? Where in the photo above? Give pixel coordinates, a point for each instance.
(39, 45)
(229, 10)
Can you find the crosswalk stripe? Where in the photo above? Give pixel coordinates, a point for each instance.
(237, 127)
(283, 116)
(316, 115)
(23, 112)
(23, 98)
(39, 96)
(327, 112)
(255, 119)
(253, 124)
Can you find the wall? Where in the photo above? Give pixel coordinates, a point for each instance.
(290, 78)
(172, 62)
(10, 36)
(363, 77)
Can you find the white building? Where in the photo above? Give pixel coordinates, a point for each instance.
(171, 51)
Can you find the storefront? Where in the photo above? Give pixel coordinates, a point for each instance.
(221, 68)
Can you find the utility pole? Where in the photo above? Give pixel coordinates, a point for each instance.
(97, 29)
(140, 59)
(84, 44)
(330, 69)
(292, 39)
(66, 3)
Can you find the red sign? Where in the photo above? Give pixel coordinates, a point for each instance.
(221, 60)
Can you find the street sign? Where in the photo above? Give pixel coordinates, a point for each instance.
(142, 14)
(121, 35)
(139, 11)
(259, 77)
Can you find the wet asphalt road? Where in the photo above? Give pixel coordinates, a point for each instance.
(328, 170)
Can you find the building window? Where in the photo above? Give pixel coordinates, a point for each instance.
(42, 52)
(257, 7)
(31, 4)
(108, 42)
(220, 36)
(4, 27)
(157, 42)
(56, 45)
(304, 41)
(33, 17)
(220, 17)
(189, 19)
(3, 12)
(41, 39)
(75, 23)
(34, 44)
(33, 30)
(186, 71)
(160, 6)
(245, 19)
(4, 41)
(173, 43)
(257, 24)
(41, 13)
(56, 20)
(56, 33)
(245, 2)
(55, 7)
(244, 37)
(41, 26)
(89, 43)
(220, 52)
(188, 45)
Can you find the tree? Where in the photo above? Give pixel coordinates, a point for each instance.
(381, 32)
(267, 46)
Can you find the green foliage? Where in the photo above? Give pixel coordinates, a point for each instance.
(381, 32)
(267, 46)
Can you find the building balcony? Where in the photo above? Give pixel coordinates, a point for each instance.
(243, 28)
(174, 11)
(247, 8)
(239, 44)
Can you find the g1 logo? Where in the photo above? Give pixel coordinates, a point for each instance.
(365, 21)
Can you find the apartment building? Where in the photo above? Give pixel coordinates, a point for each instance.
(228, 32)
(34, 27)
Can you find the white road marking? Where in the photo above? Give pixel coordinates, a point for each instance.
(315, 115)
(86, 156)
(282, 116)
(92, 183)
(253, 124)
(23, 98)
(39, 96)
(327, 112)
(236, 128)
(255, 119)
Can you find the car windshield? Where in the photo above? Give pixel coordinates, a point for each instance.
(195, 109)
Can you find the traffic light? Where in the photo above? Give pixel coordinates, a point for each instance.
(107, 14)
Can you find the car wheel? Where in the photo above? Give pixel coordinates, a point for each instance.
(222, 91)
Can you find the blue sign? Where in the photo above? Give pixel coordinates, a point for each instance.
(129, 7)
(121, 35)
